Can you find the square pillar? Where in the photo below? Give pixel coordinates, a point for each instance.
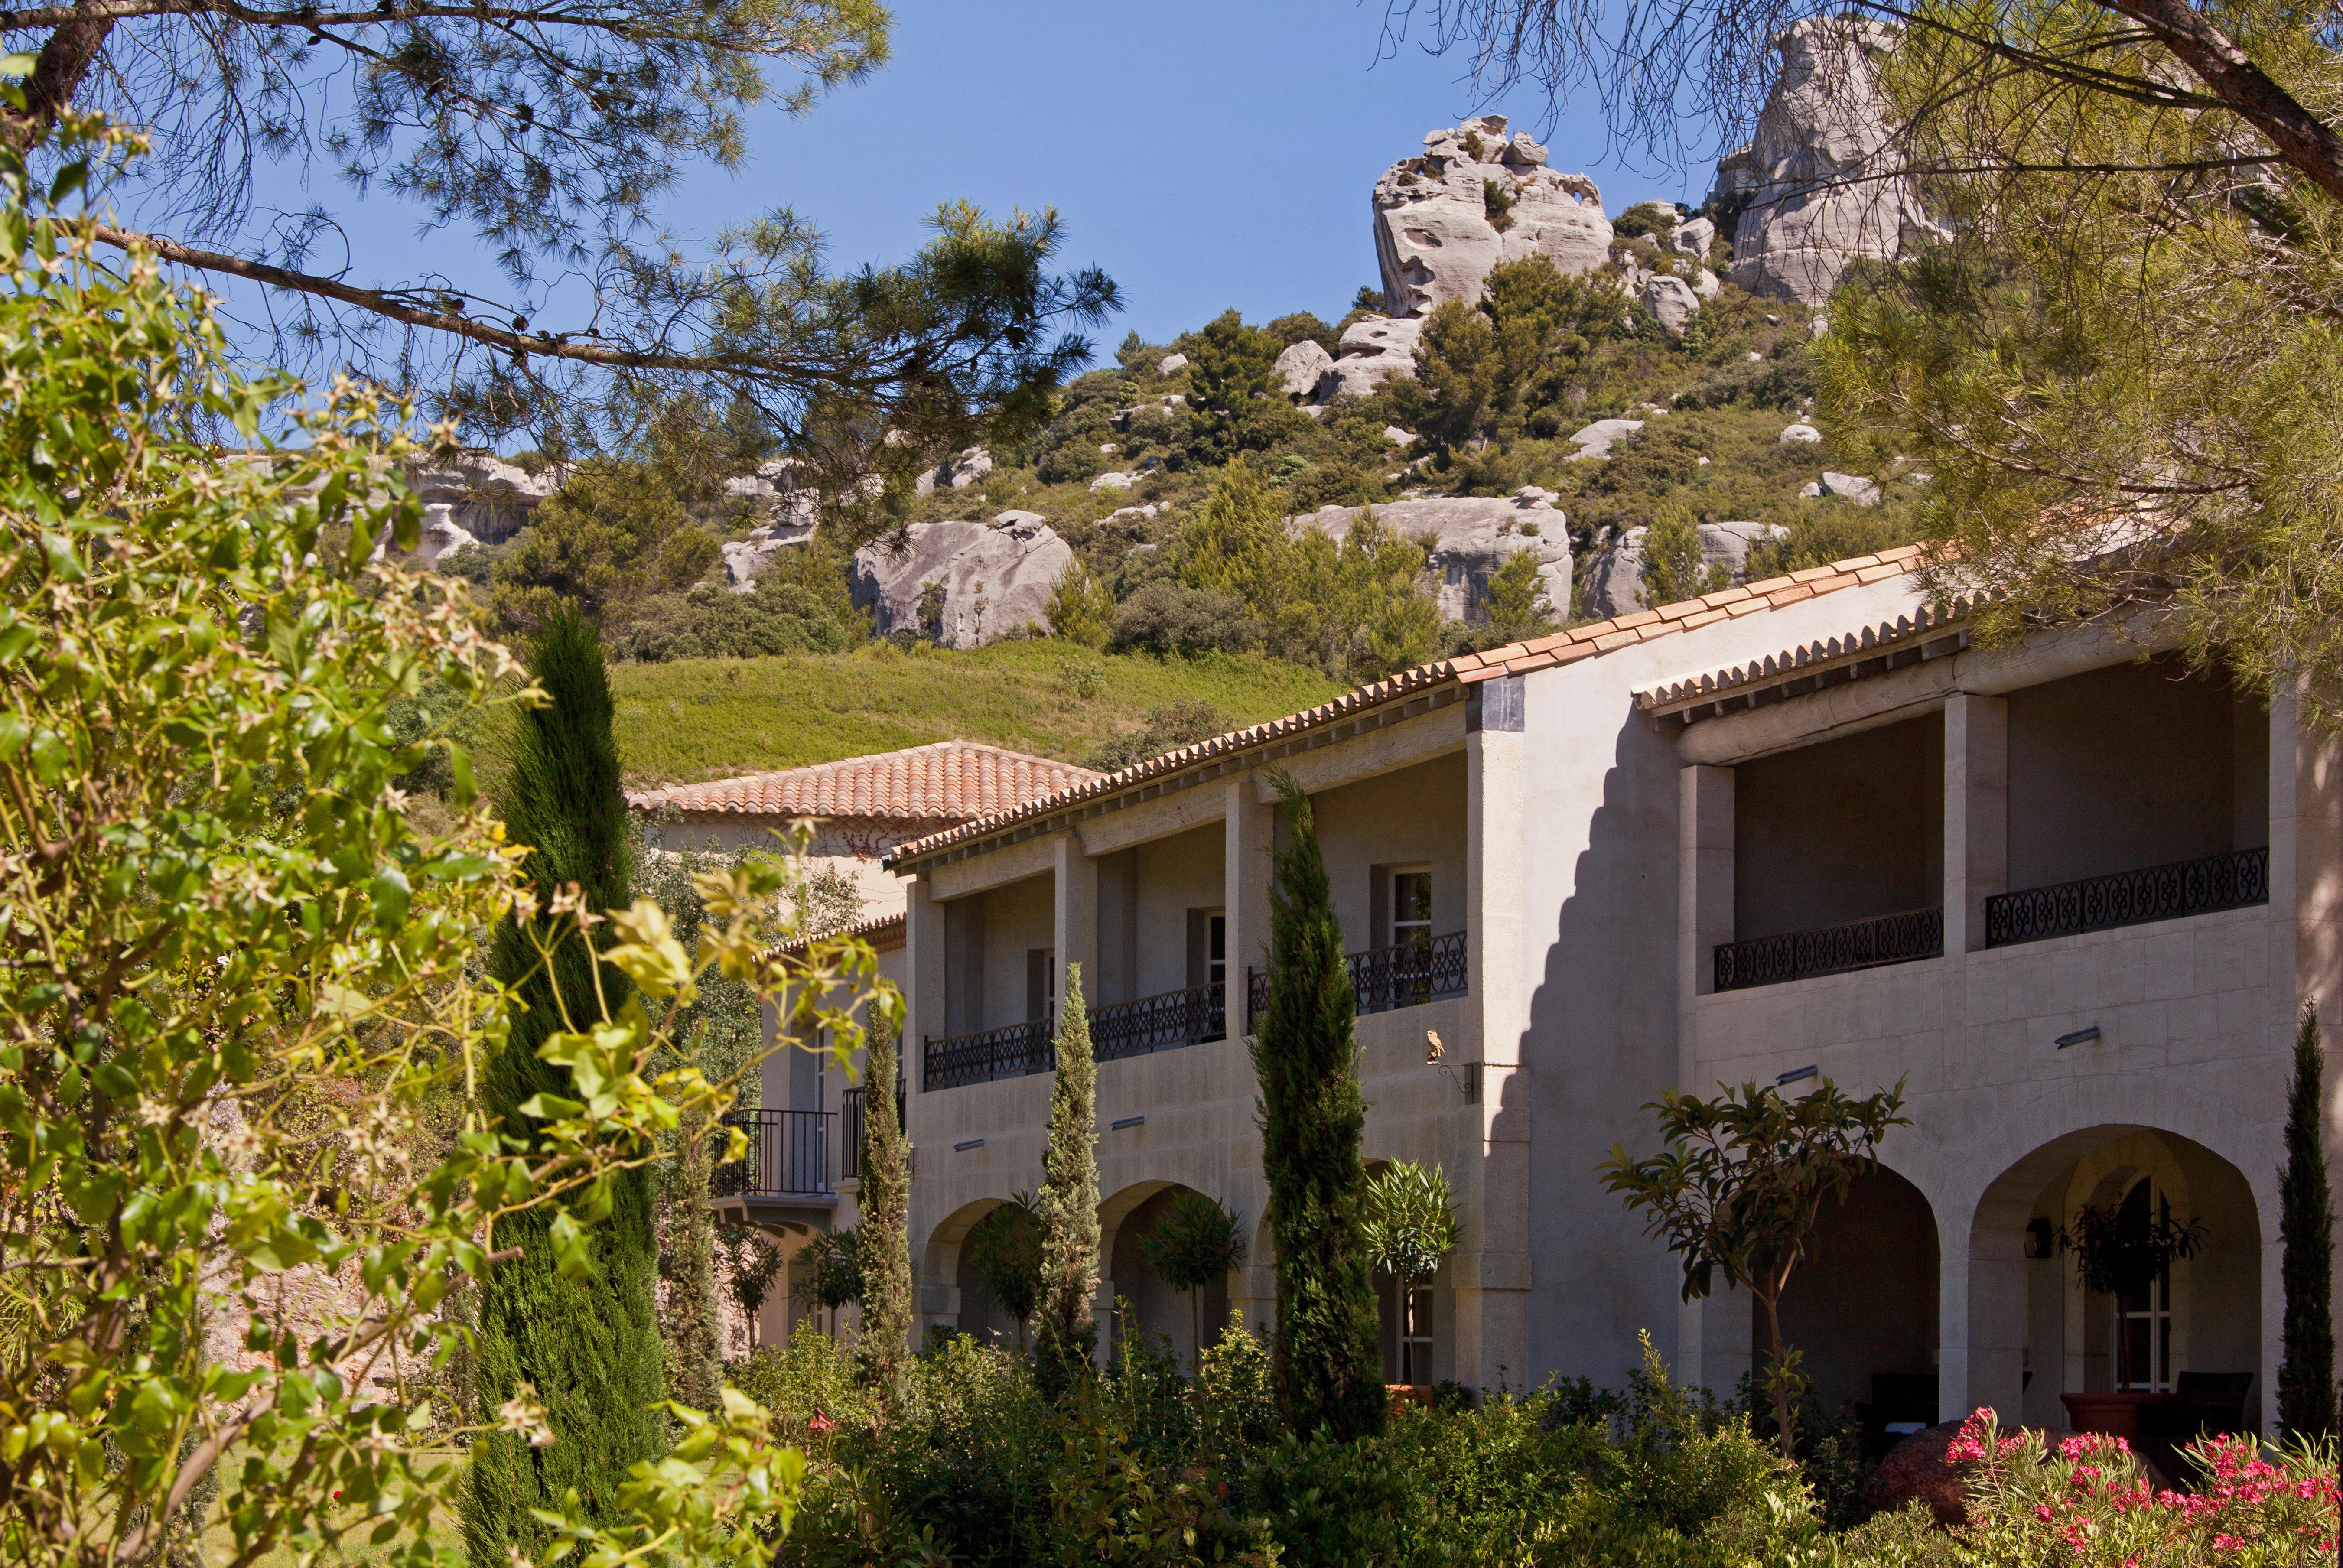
(1248, 835)
(1704, 880)
(1076, 885)
(1976, 815)
(923, 986)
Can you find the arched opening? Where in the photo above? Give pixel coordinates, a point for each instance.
(1861, 1309)
(970, 1308)
(1156, 1311)
(2071, 1299)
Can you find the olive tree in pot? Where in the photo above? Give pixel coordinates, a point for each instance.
(1410, 1227)
(1195, 1242)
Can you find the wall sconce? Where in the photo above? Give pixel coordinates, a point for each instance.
(2078, 1038)
(1436, 1055)
(1126, 1122)
(1796, 1075)
(964, 1147)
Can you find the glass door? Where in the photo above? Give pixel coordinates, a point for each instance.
(2144, 1315)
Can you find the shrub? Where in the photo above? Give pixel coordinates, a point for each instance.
(1168, 617)
(812, 1374)
(711, 622)
(1329, 1504)
(1167, 729)
(1236, 1409)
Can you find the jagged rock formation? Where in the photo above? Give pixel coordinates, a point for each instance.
(1821, 183)
(486, 496)
(1474, 199)
(1471, 536)
(1614, 577)
(994, 578)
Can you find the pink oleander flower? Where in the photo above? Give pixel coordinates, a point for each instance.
(822, 1424)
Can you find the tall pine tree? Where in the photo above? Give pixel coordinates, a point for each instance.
(886, 1230)
(2305, 1376)
(1326, 1362)
(1067, 1335)
(588, 1346)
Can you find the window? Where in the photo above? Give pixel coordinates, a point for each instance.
(2144, 1316)
(1216, 948)
(1415, 1344)
(1411, 908)
(1041, 983)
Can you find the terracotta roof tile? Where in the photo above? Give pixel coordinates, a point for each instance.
(1922, 625)
(949, 781)
(1514, 659)
(885, 933)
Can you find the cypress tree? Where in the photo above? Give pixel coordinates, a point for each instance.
(589, 1346)
(886, 1229)
(690, 1323)
(1069, 1202)
(1326, 1362)
(2305, 1376)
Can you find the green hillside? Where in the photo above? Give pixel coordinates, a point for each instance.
(706, 718)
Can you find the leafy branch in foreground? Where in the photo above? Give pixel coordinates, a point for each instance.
(236, 988)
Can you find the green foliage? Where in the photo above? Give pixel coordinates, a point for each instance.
(1740, 1185)
(812, 1374)
(1081, 607)
(1236, 1407)
(1482, 369)
(691, 1332)
(1068, 1203)
(242, 976)
(2306, 1374)
(750, 1264)
(1410, 1223)
(1195, 1242)
(828, 1268)
(1109, 1506)
(885, 1249)
(1301, 327)
(1518, 606)
(708, 621)
(1171, 619)
(1232, 385)
(589, 1343)
(1327, 1359)
(1004, 1250)
(613, 533)
(1674, 570)
(1167, 729)
(1330, 1502)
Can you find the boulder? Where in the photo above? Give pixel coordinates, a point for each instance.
(1670, 301)
(1853, 488)
(1399, 437)
(1693, 236)
(1705, 284)
(1821, 180)
(1301, 367)
(1614, 577)
(486, 496)
(995, 576)
(1472, 199)
(1171, 365)
(442, 535)
(1374, 349)
(1471, 536)
(1595, 439)
(1115, 480)
(957, 472)
(1801, 431)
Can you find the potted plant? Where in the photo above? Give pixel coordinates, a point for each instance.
(2119, 1255)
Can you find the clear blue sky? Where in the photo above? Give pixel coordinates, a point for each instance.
(1211, 154)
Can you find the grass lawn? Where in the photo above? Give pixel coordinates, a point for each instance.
(707, 718)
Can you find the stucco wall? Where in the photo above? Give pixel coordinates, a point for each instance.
(1172, 876)
(1413, 816)
(1841, 831)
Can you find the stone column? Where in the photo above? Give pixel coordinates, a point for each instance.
(1713, 1336)
(1981, 1308)
(923, 986)
(1076, 883)
(1976, 815)
(1248, 832)
(1488, 1276)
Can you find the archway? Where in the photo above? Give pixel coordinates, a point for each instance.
(1862, 1308)
(1156, 1309)
(970, 1308)
(2039, 1332)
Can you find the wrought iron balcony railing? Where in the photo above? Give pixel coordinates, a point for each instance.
(789, 1154)
(853, 1133)
(1011, 1051)
(2231, 881)
(1383, 979)
(1154, 1023)
(1833, 950)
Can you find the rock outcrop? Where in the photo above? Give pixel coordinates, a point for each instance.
(1475, 198)
(959, 471)
(1374, 349)
(1820, 184)
(1471, 536)
(745, 560)
(486, 496)
(1853, 488)
(1301, 367)
(1614, 577)
(1595, 440)
(994, 578)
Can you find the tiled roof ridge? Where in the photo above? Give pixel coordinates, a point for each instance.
(831, 788)
(1877, 636)
(870, 926)
(1511, 658)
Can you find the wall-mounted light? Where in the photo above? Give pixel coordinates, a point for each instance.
(2039, 1241)
(963, 1148)
(2079, 1037)
(1126, 1121)
(1796, 1075)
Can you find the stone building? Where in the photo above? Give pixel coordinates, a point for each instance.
(2070, 896)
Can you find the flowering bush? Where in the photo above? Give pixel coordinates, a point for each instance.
(2088, 1502)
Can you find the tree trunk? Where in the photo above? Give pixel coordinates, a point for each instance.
(1778, 1380)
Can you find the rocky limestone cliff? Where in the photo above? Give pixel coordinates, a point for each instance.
(1471, 536)
(1820, 179)
(486, 498)
(995, 576)
(1474, 199)
(1614, 577)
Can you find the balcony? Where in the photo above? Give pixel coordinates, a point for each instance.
(1014, 1051)
(849, 1116)
(1384, 980)
(2201, 887)
(788, 1156)
(1831, 949)
(1154, 1023)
